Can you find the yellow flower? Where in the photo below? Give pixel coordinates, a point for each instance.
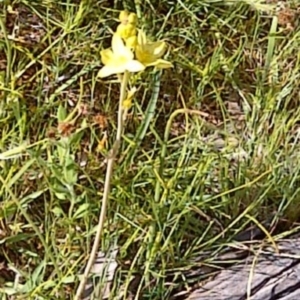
(127, 29)
(131, 42)
(128, 18)
(150, 53)
(127, 103)
(118, 59)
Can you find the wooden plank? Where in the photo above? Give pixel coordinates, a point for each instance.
(263, 275)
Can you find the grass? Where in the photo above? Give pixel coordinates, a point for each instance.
(210, 146)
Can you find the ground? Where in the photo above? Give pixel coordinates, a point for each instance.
(210, 146)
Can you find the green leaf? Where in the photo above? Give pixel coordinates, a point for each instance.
(70, 174)
(57, 211)
(81, 211)
(61, 113)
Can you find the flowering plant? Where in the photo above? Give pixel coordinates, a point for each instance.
(130, 52)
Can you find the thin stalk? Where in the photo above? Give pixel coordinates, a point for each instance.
(110, 163)
(148, 117)
(8, 50)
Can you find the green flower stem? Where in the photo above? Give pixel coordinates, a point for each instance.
(110, 163)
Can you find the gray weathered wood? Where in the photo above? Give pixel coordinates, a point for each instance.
(263, 275)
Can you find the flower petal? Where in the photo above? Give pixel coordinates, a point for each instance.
(163, 64)
(157, 48)
(119, 49)
(117, 43)
(139, 53)
(160, 64)
(134, 66)
(145, 57)
(142, 39)
(106, 56)
(110, 70)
